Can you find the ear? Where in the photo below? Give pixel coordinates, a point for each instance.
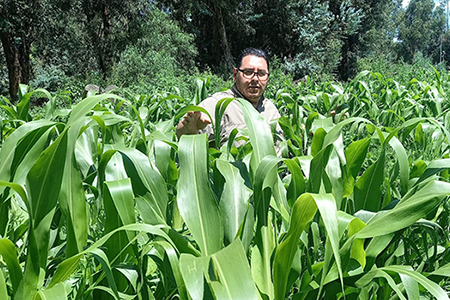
(235, 73)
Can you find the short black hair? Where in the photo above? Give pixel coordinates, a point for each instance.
(254, 52)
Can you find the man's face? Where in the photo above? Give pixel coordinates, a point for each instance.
(251, 88)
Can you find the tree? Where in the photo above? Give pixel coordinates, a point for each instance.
(421, 27)
(19, 20)
(212, 23)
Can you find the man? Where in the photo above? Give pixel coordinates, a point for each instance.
(251, 77)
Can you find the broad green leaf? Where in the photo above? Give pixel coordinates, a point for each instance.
(303, 211)
(376, 273)
(73, 205)
(261, 260)
(86, 149)
(234, 200)
(266, 177)
(43, 185)
(85, 106)
(57, 292)
(196, 201)
(335, 174)
(327, 207)
(443, 271)
(429, 285)
(297, 185)
(435, 167)
(106, 267)
(118, 201)
(122, 195)
(317, 169)
(175, 264)
(411, 287)
(65, 269)
(233, 274)
(148, 183)
(357, 252)
(193, 269)
(221, 106)
(259, 133)
(355, 154)
(13, 144)
(162, 157)
(408, 210)
(9, 255)
(3, 288)
(367, 193)
(317, 141)
(403, 163)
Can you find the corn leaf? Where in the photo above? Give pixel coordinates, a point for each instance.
(196, 201)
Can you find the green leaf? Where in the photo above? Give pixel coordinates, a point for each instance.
(317, 173)
(122, 195)
(434, 167)
(65, 269)
(85, 106)
(367, 193)
(106, 267)
(407, 211)
(147, 183)
(43, 184)
(119, 210)
(13, 144)
(317, 141)
(297, 185)
(411, 287)
(73, 205)
(355, 154)
(259, 133)
(221, 106)
(302, 214)
(175, 265)
(443, 271)
(261, 259)
(370, 276)
(57, 292)
(192, 268)
(196, 201)
(266, 177)
(234, 200)
(403, 163)
(233, 274)
(3, 288)
(429, 285)
(8, 252)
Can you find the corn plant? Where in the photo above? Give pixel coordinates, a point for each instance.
(105, 203)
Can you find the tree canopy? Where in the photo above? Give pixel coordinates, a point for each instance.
(124, 42)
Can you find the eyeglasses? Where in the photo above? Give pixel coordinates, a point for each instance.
(249, 73)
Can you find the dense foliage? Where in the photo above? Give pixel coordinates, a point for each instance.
(99, 199)
(69, 44)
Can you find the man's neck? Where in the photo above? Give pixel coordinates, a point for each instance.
(238, 93)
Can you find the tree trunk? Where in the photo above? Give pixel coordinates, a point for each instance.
(24, 51)
(220, 24)
(13, 64)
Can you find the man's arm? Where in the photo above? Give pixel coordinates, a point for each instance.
(192, 122)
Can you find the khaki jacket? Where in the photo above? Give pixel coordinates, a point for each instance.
(233, 116)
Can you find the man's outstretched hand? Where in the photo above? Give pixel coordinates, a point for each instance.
(192, 122)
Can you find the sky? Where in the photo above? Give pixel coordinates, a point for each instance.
(405, 2)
